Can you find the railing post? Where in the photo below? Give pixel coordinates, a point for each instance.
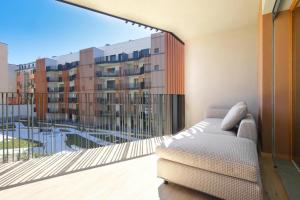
(32, 121)
(19, 126)
(3, 139)
(6, 116)
(13, 127)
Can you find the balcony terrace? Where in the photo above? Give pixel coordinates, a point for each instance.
(217, 53)
(61, 67)
(131, 167)
(124, 58)
(35, 150)
(54, 79)
(108, 74)
(125, 72)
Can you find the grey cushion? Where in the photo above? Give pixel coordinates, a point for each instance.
(234, 116)
(211, 126)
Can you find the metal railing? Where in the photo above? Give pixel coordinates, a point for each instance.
(31, 127)
(124, 58)
(118, 73)
(54, 79)
(108, 74)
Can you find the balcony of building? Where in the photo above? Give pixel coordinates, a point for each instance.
(115, 73)
(73, 100)
(66, 139)
(55, 89)
(123, 57)
(227, 58)
(133, 71)
(54, 79)
(73, 77)
(61, 67)
(55, 99)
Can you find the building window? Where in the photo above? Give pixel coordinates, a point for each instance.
(156, 67)
(135, 55)
(156, 50)
(113, 58)
(110, 70)
(111, 84)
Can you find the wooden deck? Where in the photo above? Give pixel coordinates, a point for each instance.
(19, 173)
(50, 177)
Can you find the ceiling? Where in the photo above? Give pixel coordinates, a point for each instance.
(185, 18)
(267, 5)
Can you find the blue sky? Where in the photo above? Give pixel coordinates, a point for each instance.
(46, 28)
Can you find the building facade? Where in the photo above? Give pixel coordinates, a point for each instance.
(3, 67)
(105, 87)
(7, 76)
(25, 78)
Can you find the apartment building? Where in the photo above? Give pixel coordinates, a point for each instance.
(86, 86)
(25, 77)
(7, 75)
(3, 66)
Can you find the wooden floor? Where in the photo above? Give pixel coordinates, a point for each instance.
(131, 179)
(19, 173)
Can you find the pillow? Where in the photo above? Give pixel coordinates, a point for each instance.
(234, 116)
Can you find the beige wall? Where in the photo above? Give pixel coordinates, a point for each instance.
(157, 78)
(3, 68)
(12, 77)
(220, 70)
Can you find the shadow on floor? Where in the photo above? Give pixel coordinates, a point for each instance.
(20, 173)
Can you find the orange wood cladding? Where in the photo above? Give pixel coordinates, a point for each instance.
(283, 114)
(41, 89)
(283, 84)
(174, 73)
(266, 84)
(296, 86)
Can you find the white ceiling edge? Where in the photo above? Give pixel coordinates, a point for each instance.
(186, 19)
(267, 5)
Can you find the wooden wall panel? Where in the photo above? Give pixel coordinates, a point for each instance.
(41, 89)
(174, 70)
(266, 91)
(283, 114)
(296, 86)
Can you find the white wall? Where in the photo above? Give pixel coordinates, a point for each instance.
(68, 58)
(221, 69)
(3, 68)
(127, 47)
(13, 110)
(12, 78)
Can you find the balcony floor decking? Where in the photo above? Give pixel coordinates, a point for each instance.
(130, 179)
(19, 173)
